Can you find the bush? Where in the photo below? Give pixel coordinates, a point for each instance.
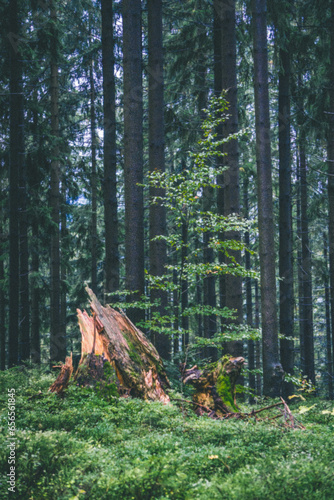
(83, 446)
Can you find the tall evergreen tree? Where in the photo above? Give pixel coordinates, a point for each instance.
(330, 163)
(16, 160)
(57, 338)
(272, 370)
(133, 153)
(109, 157)
(158, 252)
(285, 212)
(306, 311)
(94, 237)
(233, 284)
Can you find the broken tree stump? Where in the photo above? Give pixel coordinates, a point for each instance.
(111, 334)
(215, 389)
(64, 376)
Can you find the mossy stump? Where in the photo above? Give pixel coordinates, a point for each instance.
(215, 389)
(137, 364)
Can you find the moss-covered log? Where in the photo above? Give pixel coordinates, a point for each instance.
(112, 335)
(215, 389)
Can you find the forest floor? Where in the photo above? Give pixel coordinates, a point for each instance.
(90, 446)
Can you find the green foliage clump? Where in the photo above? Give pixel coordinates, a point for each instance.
(83, 446)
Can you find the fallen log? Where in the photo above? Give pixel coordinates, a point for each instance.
(215, 389)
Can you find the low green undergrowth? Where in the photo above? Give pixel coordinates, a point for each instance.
(86, 447)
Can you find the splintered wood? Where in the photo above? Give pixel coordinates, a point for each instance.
(64, 376)
(137, 364)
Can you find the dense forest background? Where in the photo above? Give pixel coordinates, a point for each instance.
(113, 174)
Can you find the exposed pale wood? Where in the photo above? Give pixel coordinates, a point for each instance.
(137, 363)
(64, 376)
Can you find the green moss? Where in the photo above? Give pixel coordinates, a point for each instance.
(133, 353)
(224, 387)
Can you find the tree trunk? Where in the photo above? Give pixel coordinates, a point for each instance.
(133, 154)
(272, 370)
(233, 284)
(299, 273)
(218, 87)
(24, 353)
(328, 323)
(184, 281)
(285, 221)
(57, 337)
(137, 364)
(249, 300)
(35, 294)
(306, 271)
(63, 263)
(330, 162)
(93, 235)
(157, 217)
(109, 158)
(16, 158)
(34, 178)
(257, 343)
(2, 297)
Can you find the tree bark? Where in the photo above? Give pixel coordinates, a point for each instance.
(109, 145)
(249, 299)
(133, 154)
(57, 337)
(93, 236)
(218, 87)
(306, 271)
(272, 370)
(233, 284)
(329, 358)
(330, 162)
(285, 221)
(16, 159)
(2, 297)
(157, 216)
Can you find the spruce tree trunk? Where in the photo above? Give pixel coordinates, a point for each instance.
(328, 323)
(16, 159)
(133, 154)
(218, 87)
(34, 160)
(63, 262)
(285, 221)
(330, 162)
(157, 217)
(249, 299)
(257, 343)
(2, 297)
(184, 282)
(109, 147)
(24, 352)
(35, 294)
(306, 270)
(93, 235)
(233, 284)
(272, 370)
(299, 272)
(57, 337)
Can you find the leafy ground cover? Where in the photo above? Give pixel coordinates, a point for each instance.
(86, 446)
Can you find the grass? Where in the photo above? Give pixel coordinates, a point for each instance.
(85, 447)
